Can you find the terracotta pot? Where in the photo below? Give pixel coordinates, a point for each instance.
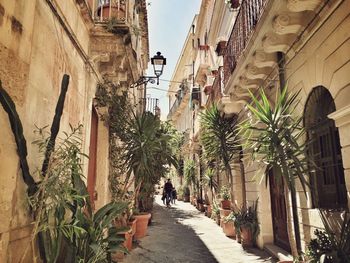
(225, 204)
(224, 212)
(141, 225)
(229, 229)
(186, 198)
(132, 224)
(201, 207)
(247, 236)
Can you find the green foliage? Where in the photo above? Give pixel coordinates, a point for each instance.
(208, 179)
(147, 151)
(248, 218)
(218, 136)
(225, 192)
(273, 136)
(215, 209)
(190, 172)
(230, 218)
(71, 232)
(329, 246)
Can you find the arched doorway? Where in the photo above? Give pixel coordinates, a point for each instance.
(327, 177)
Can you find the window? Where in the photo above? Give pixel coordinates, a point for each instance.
(327, 177)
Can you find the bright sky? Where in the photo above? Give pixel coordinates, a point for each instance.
(169, 22)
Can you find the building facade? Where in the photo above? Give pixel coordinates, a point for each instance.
(40, 41)
(262, 44)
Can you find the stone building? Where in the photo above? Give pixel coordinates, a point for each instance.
(40, 41)
(265, 44)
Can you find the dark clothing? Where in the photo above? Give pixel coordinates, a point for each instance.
(168, 188)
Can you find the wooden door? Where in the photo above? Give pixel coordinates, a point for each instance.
(279, 213)
(91, 180)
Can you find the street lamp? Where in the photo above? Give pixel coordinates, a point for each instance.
(158, 62)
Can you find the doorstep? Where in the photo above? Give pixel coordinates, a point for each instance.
(278, 252)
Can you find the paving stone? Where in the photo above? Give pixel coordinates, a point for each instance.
(181, 234)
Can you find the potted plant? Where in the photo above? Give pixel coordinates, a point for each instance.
(186, 193)
(228, 225)
(225, 195)
(246, 224)
(216, 213)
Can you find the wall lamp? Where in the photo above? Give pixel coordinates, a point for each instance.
(158, 62)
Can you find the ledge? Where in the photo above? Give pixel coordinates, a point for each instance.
(341, 116)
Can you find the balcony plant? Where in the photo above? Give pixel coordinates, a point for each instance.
(273, 137)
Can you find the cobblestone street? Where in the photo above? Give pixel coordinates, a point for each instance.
(182, 234)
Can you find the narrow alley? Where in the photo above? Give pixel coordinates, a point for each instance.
(182, 234)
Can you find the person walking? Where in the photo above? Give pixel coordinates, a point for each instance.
(168, 188)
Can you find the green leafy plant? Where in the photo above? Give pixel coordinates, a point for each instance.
(247, 218)
(219, 138)
(328, 245)
(147, 154)
(225, 192)
(189, 172)
(274, 138)
(70, 230)
(230, 218)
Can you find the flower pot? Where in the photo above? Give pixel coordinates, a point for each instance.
(186, 198)
(225, 204)
(128, 239)
(200, 207)
(224, 212)
(208, 210)
(229, 229)
(132, 224)
(247, 236)
(141, 225)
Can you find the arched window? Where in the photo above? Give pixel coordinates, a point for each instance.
(327, 176)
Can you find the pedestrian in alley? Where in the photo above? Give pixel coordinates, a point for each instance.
(173, 196)
(168, 188)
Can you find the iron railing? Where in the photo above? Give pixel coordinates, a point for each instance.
(181, 93)
(150, 105)
(108, 10)
(248, 17)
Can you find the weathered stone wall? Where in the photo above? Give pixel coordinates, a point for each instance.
(35, 52)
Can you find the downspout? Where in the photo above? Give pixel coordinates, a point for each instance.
(281, 61)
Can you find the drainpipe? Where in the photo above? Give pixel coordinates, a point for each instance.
(281, 61)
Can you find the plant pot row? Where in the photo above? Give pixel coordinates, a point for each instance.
(138, 229)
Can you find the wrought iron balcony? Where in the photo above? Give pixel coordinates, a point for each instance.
(248, 17)
(150, 105)
(180, 98)
(108, 10)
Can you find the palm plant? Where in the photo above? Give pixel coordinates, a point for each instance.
(273, 137)
(209, 180)
(190, 172)
(147, 152)
(219, 138)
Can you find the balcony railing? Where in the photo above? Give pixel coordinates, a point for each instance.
(107, 10)
(181, 93)
(216, 91)
(246, 21)
(150, 105)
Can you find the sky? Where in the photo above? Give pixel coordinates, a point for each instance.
(168, 23)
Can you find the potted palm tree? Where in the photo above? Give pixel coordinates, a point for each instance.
(147, 153)
(219, 138)
(273, 136)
